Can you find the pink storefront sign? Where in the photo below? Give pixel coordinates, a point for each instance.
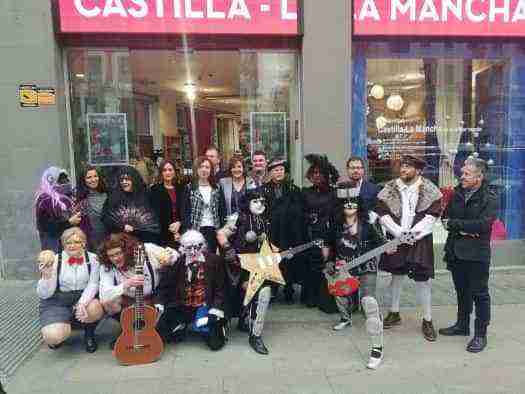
(226, 17)
(467, 18)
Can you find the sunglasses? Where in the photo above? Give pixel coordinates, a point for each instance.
(351, 205)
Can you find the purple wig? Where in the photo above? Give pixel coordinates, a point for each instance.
(50, 192)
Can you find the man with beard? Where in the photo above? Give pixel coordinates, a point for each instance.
(258, 174)
(356, 184)
(469, 217)
(410, 203)
(251, 232)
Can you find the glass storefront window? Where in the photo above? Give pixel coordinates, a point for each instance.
(445, 101)
(132, 106)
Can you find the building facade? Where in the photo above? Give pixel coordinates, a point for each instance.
(124, 82)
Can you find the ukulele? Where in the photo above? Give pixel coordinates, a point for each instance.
(139, 342)
(342, 284)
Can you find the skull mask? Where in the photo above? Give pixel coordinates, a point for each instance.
(193, 243)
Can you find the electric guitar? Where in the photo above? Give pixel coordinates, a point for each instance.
(342, 284)
(139, 342)
(289, 253)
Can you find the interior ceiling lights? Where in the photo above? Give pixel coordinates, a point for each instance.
(395, 102)
(381, 122)
(377, 92)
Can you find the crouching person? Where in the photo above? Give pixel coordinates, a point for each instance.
(191, 293)
(67, 289)
(118, 279)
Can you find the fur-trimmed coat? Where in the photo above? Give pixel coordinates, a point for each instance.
(418, 260)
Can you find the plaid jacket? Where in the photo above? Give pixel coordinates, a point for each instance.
(193, 207)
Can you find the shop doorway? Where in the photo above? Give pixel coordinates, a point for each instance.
(136, 106)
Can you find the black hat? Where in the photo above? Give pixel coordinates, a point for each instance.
(276, 162)
(413, 161)
(326, 168)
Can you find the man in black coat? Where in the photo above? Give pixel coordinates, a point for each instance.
(468, 218)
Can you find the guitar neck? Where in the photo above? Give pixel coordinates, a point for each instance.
(139, 290)
(299, 249)
(371, 254)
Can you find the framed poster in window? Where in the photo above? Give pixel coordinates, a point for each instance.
(268, 131)
(107, 139)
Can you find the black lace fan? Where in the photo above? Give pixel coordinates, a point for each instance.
(140, 218)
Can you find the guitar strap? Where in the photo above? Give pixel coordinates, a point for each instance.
(59, 266)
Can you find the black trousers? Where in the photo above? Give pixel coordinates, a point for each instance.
(312, 276)
(210, 235)
(472, 288)
(174, 316)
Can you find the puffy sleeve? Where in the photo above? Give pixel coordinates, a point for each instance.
(108, 290)
(92, 287)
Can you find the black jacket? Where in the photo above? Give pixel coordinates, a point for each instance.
(469, 225)
(286, 214)
(160, 202)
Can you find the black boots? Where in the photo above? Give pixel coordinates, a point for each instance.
(477, 344)
(461, 328)
(89, 337)
(257, 344)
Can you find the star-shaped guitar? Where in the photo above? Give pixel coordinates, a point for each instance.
(262, 266)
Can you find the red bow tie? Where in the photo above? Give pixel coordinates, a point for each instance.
(75, 260)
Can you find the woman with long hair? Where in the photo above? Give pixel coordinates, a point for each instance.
(234, 186)
(166, 199)
(54, 208)
(203, 207)
(357, 232)
(91, 197)
(128, 210)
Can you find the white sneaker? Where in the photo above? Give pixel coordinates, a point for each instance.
(342, 325)
(376, 356)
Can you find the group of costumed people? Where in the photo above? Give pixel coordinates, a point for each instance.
(199, 236)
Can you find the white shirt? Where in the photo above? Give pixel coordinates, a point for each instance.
(72, 278)
(112, 281)
(207, 215)
(409, 199)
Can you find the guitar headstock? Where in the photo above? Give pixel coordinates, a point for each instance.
(408, 238)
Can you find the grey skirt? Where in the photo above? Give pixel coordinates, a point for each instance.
(59, 308)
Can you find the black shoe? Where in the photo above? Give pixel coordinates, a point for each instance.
(458, 329)
(55, 347)
(477, 344)
(91, 344)
(257, 344)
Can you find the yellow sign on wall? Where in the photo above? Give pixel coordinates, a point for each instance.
(46, 96)
(28, 95)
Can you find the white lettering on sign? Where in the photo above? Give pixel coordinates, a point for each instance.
(139, 12)
(285, 14)
(519, 13)
(505, 10)
(368, 10)
(114, 7)
(88, 13)
(239, 8)
(195, 10)
(428, 11)
(212, 13)
(455, 8)
(476, 18)
(397, 5)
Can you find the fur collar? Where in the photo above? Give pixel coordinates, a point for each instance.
(390, 195)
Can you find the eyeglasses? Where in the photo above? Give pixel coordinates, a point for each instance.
(351, 205)
(73, 242)
(116, 254)
(355, 168)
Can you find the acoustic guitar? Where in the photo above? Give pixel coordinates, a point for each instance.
(139, 342)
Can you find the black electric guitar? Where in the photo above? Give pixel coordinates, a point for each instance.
(289, 253)
(342, 284)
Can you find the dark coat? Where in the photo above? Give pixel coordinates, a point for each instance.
(418, 260)
(368, 194)
(171, 289)
(473, 217)
(286, 214)
(51, 222)
(320, 209)
(160, 202)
